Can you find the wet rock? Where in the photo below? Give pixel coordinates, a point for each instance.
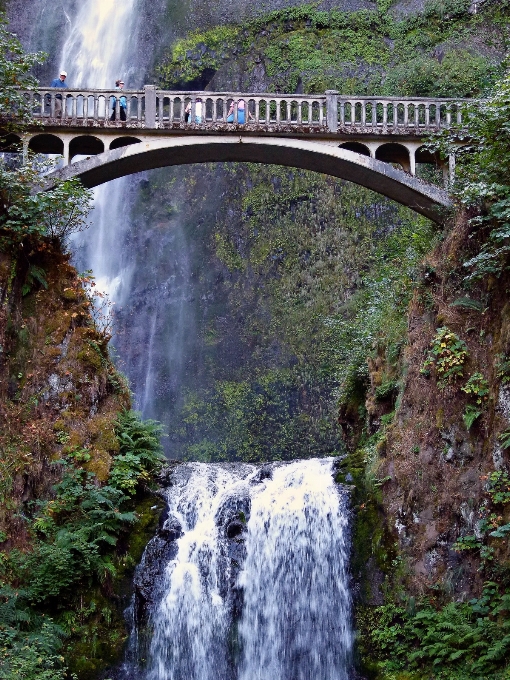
(457, 449)
(234, 529)
(171, 529)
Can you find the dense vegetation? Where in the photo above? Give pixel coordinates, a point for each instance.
(318, 276)
(70, 497)
(435, 52)
(445, 51)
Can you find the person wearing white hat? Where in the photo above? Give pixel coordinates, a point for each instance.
(59, 82)
(119, 85)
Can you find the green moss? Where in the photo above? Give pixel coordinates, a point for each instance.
(98, 627)
(90, 358)
(363, 52)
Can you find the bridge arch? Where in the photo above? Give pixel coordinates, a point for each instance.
(10, 143)
(119, 142)
(319, 156)
(85, 145)
(357, 147)
(394, 153)
(425, 155)
(46, 143)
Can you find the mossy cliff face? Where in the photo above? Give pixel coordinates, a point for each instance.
(437, 458)
(438, 49)
(63, 470)
(59, 391)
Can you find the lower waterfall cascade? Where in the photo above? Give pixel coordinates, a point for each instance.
(247, 578)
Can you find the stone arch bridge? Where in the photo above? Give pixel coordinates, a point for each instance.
(375, 142)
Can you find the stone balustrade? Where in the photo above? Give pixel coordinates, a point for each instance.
(152, 108)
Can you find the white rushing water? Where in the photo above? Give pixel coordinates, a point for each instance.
(99, 49)
(289, 562)
(191, 624)
(296, 618)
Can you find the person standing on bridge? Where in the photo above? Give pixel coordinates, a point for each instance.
(59, 82)
(241, 116)
(119, 85)
(198, 111)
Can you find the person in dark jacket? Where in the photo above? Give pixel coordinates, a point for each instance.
(119, 85)
(59, 82)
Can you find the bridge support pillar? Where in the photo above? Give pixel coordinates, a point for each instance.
(451, 169)
(332, 110)
(66, 141)
(150, 106)
(412, 161)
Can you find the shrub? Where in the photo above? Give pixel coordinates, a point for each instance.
(140, 452)
(448, 353)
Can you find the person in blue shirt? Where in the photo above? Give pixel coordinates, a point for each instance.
(119, 85)
(59, 82)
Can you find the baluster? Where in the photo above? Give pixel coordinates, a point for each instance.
(73, 107)
(299, 116)
(85, 108)
(278, 110)
(363, 114)
(257, 111)
(96, 107)
(417, 115)
(171, 112)
(385, 114)
(448, 115)
(353, 112)
(459, 114)
(438, 115)
(161, 101)
(395, 114)
(427, 115)
(374, 114)
(310, 111)
(406, 114)
(342, 112)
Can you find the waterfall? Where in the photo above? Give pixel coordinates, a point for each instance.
(256, 586)
(296, 618)
(96, 52)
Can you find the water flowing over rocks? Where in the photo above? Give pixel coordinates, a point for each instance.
(246, 578)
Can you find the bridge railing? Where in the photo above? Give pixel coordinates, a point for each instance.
(331, 112)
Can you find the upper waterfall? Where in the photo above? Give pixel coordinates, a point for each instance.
(98, 43)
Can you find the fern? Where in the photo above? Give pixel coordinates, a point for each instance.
(468, 303)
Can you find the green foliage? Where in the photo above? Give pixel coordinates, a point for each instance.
(258, 420)
(478, 387)
(75, 532)
(448, 354)
(74, 536)
(29, 642)
(468, 303)
(498, 487)
(15, 67)
(459, 74)
(56, 214)
(503, 368)
(140, 454)
(460, 641)
(482, 171)
(34, 275)
(491, 524)
(361, 52)
(470, 414)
